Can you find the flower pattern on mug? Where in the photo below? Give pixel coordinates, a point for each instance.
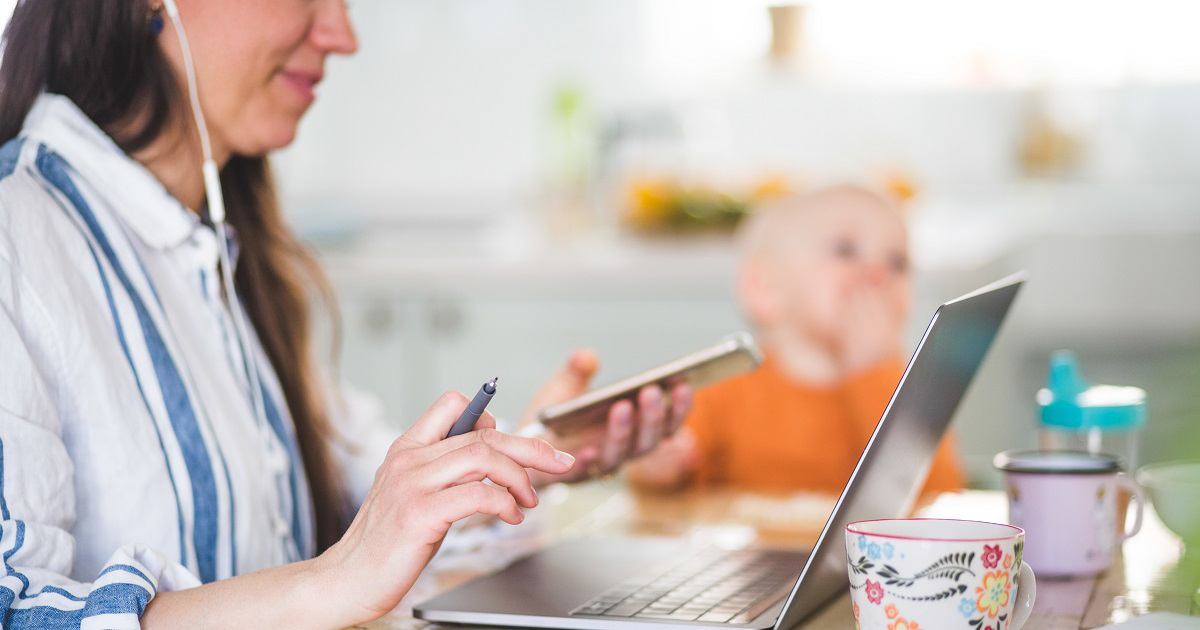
(903, 624)
(975, 580)
(875, 592)
(991, 556)
(993, 594)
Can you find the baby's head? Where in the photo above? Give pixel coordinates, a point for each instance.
(804, 258)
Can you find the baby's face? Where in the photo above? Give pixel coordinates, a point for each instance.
(848, 252)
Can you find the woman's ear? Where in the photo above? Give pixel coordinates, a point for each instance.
(758, 292)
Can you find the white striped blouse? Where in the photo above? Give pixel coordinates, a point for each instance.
(131, 459)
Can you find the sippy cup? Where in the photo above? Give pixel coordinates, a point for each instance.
(1079, 416)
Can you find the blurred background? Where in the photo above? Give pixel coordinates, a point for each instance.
(492, 183)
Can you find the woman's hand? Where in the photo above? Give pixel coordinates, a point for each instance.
(670, 466)
(425, 484)
(632, 430)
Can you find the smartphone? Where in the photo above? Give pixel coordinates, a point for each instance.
(733, 355)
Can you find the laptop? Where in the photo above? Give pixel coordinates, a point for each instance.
(652, 583)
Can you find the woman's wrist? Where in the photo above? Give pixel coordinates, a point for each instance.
(305, 594)
(329, 578)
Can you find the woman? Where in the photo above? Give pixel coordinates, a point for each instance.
(149, 472)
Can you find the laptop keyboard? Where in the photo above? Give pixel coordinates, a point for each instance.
(716, 585)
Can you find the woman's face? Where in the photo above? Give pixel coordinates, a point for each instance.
(258, 63)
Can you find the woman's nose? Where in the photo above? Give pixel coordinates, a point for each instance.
(332, 31)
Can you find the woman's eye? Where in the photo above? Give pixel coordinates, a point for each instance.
(899, 263)
(845, 249)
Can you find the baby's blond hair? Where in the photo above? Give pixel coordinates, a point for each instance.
(769, 223)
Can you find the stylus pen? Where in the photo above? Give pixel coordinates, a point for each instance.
(466, 421)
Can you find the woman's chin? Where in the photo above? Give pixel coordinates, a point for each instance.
(276, 138)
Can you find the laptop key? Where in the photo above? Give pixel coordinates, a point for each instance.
(624, 609)
(594, 609)
(715, 617)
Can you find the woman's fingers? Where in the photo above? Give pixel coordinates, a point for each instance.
(527, 452)
(652, 416)
(475, 462)
(681, 404)
(618, 437)
(458, 502)
(435, 423)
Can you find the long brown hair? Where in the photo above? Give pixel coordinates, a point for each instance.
(102, 55)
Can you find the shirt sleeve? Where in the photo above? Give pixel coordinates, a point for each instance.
(37, 505)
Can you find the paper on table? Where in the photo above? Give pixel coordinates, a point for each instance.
(1157, 621)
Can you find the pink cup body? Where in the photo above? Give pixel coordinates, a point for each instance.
(1070, 520)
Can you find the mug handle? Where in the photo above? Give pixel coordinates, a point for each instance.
(1026, 596)
(1135, 493)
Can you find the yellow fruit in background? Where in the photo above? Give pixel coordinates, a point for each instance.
(771, 187)
(649, 201)
(900, 186)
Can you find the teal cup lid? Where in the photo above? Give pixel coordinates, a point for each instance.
(1070, 402)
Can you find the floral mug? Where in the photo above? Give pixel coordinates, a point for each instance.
(938, 574)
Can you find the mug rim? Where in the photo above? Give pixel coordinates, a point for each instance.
(1039, 462)
(1015, 531)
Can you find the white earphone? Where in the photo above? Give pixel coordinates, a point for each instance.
(216, 214)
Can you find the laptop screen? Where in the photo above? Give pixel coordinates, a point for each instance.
(895, 462)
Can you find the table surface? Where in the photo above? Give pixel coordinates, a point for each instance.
(1152, 574)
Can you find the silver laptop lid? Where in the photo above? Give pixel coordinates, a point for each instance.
(896, 460)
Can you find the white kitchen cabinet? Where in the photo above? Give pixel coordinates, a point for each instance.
(409, 334)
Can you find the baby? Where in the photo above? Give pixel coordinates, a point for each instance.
(824, 280)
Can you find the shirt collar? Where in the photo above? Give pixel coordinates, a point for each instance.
(134, 193)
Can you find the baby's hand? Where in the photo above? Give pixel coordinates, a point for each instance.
(872, 329)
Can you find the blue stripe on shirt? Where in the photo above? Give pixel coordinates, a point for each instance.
(112, 307)
(10, 154)
(110, 599)
(18, 538)
(179, 408)
(276, 421)
(8, 568)
(3, 502)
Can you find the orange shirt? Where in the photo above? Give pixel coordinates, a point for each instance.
(761, 431)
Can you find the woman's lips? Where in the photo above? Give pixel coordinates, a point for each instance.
(303, 84)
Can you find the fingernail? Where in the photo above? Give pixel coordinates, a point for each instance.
(564, 458)
(624, 417)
